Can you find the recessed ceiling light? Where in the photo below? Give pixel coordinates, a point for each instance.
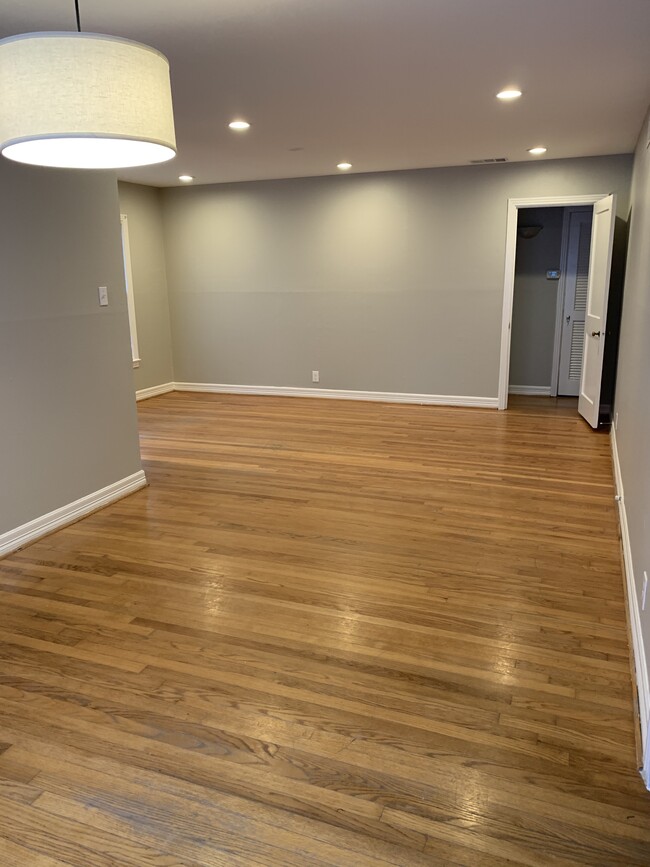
(510, 93)
(239, 124)
(344, 167)
(187, 179)
(537, 151)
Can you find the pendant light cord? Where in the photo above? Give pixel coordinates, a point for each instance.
(76, 9)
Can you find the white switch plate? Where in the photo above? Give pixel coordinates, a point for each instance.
(103, 296)
(645, 590)
(315, 376)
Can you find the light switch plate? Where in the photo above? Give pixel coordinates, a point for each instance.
(103, 296)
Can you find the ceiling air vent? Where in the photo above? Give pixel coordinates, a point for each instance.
(489, 160)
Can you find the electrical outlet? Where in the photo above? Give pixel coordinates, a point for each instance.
(645, 590)
(103, 296)
(315, 376)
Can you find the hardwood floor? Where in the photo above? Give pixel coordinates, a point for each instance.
(328, 633)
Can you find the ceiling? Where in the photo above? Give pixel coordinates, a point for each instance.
(385, 84)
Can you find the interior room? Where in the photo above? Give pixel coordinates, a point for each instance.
(325, 501)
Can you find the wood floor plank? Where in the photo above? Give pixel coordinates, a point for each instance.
(328, 633)
(13, 853)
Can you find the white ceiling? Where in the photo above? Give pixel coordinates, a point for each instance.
(385, 84)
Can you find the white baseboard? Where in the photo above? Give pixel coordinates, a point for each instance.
(339, 394)
(538, 390)
(638, 650)
(21, 536)
(154, 390)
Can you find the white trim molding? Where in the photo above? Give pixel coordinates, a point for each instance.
(128, 282)
(33, 530)
(535, 390)
(638, 650)
(154, 390)
(509, 277)
(339, 394)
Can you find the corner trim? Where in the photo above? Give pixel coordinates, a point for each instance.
(33, 530)
(539, 390)
(154, 391)
(339, 394)
(638, 650)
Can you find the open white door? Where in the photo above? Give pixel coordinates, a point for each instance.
(600, 265)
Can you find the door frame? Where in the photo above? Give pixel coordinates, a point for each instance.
(509, 277)
(128, 281)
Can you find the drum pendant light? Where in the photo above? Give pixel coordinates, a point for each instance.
(84, 100)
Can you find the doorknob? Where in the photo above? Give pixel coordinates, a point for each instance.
(595, 333)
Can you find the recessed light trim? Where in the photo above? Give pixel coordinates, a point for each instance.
(239, 125)
(186, 179)
(344, 167)
(537, 151)
(508, 94)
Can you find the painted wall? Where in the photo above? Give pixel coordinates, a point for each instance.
(383, 282)
(632, 403)
(535, 298)
(142, 207)
(68, 423)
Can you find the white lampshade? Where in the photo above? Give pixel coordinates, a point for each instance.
(84, 100)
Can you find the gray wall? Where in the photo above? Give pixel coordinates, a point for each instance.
(633, 381)
(383, 282)
(535, 298)
(142, 207)
(68, 423)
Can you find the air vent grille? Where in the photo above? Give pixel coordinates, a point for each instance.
(577, 348)
(582, 268)
(489, 160)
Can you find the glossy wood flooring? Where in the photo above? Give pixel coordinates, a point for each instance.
(329, 633)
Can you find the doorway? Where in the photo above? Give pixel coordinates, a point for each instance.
(586, 312)
(550, 301)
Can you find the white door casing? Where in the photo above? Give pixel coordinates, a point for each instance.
(600, 265)
(514, 205)
(128, 282)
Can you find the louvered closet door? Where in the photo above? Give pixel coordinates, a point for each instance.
(575, 302)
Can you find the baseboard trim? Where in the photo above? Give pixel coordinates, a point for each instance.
(154, 391)
(339, 394)
(33, 530)
(539, 390)
(638, 649)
